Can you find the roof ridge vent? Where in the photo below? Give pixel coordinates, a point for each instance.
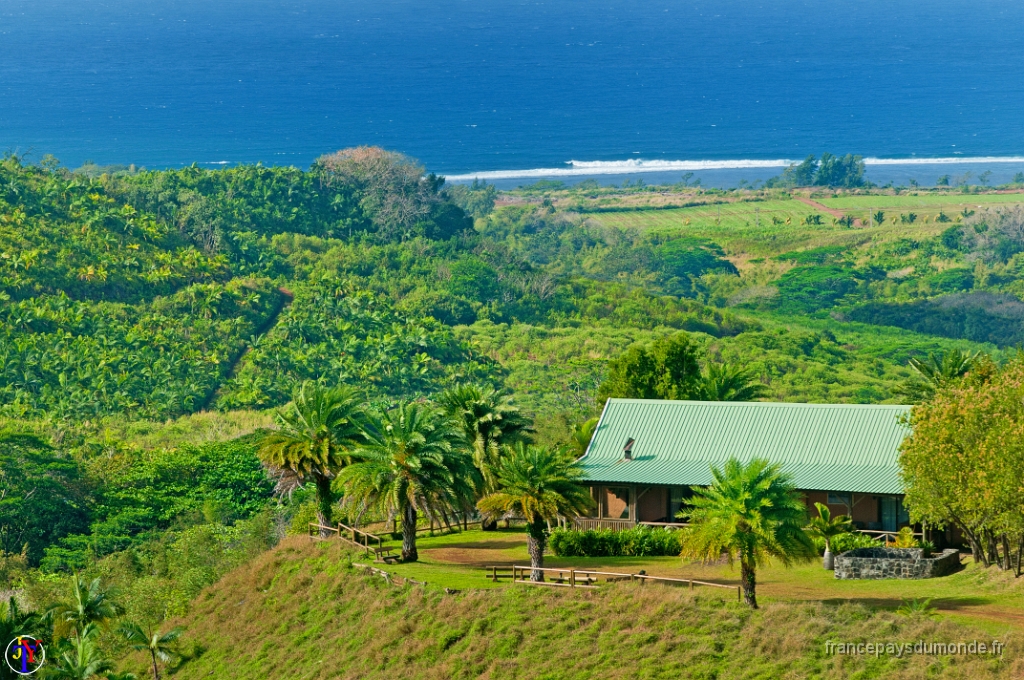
(627, 450)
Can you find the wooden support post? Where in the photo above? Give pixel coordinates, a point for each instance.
(739, 594)
(691, 584)
(572, 578)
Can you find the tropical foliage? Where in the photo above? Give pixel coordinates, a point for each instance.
(415, 460)
(750, 513)
(964, 459)
(639, 541)
(314, 440)
(540, 485)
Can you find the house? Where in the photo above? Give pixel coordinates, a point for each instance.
(646, 454)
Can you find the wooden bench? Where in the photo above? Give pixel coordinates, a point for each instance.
(385, 555)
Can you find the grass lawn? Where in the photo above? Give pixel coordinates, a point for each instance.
(988, 599)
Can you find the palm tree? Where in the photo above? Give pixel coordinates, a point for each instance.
(14, 621)
(159, 645)
(415, 460)
(90, 605)
(314, 439)
(938, 371)
(750, 512)
(489, 420)
(80, 658)
(581, 435)
(826, 527)
(538, 484)
(724, 382)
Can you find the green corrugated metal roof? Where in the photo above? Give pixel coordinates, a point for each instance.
(826, 447)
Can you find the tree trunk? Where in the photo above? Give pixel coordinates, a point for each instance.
(535, 540)
(409, 553)
(1006, 553)
(748, 581)
(156, 673)
(993, 549)
(1020, 550)
(324, 503)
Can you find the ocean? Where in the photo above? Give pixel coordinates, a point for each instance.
(517, 88)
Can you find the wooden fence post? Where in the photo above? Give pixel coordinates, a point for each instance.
(572, 578)
(691, 584)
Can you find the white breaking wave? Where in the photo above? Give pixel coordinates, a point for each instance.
(639, 165)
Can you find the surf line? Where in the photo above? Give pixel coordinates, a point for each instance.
(633, 166)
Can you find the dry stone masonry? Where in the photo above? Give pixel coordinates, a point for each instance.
(880, 563)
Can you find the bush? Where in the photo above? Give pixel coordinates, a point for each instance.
(639, 542)
(850, 541)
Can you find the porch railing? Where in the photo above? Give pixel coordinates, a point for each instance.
(584, 523)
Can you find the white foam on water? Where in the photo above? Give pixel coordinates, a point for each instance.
(639, 165)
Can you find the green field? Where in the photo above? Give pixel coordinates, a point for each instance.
(932, 201)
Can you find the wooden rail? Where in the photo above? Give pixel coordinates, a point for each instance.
(358, 534)
(315, 529)
(584, 523)
(586, 578)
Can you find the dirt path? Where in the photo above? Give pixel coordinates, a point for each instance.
(838, 214)
(286, 299)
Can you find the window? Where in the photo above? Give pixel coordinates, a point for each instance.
(615, 502)
(836, 498)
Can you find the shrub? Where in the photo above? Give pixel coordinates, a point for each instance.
(850, 541)
(638, 542)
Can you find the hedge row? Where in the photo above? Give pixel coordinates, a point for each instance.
(638, 542)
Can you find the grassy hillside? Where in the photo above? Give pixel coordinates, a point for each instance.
(301, 610)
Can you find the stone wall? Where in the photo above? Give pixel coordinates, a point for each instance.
(879, 563)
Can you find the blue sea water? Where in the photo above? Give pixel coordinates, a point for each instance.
(483, 85)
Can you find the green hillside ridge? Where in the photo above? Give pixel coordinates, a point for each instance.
(158, 294)
(303, 610)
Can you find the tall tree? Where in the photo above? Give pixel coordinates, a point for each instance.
(538, 484)
(79, 658)
(90, 605)
(963, 462)
(666, 369)
(582, 433)
(161, 646)
(724, 382)
(415, 459)
(315, 438)
(489, 421)
(42, 496)
(941, 370)
(750, 513)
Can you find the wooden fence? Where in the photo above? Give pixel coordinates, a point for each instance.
(585, 578)
(356, 537)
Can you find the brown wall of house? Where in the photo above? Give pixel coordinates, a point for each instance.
(865, 506)
(653, 504)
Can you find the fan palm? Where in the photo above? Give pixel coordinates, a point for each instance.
(80, 658)
(581, 435)
(315, 436)
(538, 484)
(752, 513)
(489, 420)
(938, 371)
(827, 527)
(159, 645)
(90, 605)
(724, 382)
(414, 460)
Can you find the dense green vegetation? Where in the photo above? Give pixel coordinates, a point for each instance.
(151, 320)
